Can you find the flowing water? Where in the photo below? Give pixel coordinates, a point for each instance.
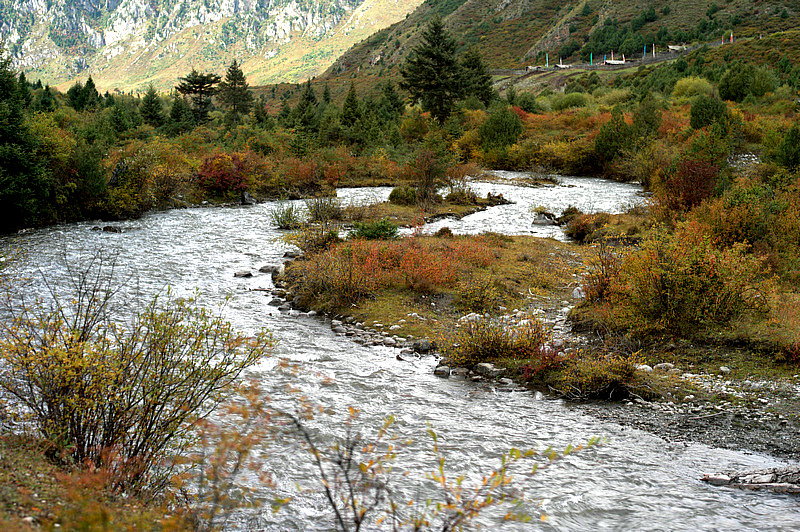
(635, 481)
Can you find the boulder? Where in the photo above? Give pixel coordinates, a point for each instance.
(644, 368)
(664, 366)
(291, 255)
(422, 346)
(389, 341)
(442, 371)
(247, 199)
(268, 268)
(275, 302)
(243, 274)
(544, 218)
(112, 229)
(488, 370)
(777, 479)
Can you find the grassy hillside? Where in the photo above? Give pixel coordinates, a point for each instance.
(516, 33)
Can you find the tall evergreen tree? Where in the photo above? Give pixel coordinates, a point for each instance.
(150, 108)
(235, 94)
(432, 74)
(90, 96)
(25, 94)
(477, 81)
(45, 101)
(181, 117)
(390, 105)
(326, 95)
(351, 109)
(24, 184)
(305, 114)
(200, 88)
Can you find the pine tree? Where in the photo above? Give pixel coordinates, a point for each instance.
(45, 101)
(90, 96)
(351, 109)
(200, 88)
(181, 117)
(305, 114)
(432, 75)
(150, 108)
(25, 94)
(75, 96)
(390, 106)
(326, 95)
(235, 94)
(477, 81)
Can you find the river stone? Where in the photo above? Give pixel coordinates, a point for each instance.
(111, 229)
(422, 346)
(538, 396)
(285, 306)
(644, 368)
(460, 372)
(268, 268)
(544, 218)
(442, 371)
(277, 273)
(339, 329)
(291, 255)
(389, 341)
(275, 302)
(488, 370)
(312, 313)
(724, 369)
(336, 323)
(664, 366)
(247, 199)
(394, 327)
(578, 293)
(243, 274)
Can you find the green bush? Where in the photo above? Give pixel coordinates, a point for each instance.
(706, 110)
(380, 230)
(286, 216)
(692, 86)
(569, 101)
(324, 209)
(501, 129)
(403, 195)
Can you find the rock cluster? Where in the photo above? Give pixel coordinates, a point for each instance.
(781, 480)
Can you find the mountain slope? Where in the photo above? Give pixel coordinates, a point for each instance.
(514, 33)
(125, 44)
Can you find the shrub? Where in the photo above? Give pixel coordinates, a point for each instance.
(693, 181)
(403, 195)
(484, 340)
(569, 101)
(706, 110)
(612, 137)
(788, 152)
(286, 216)
(682, 281)
(582, 227)
(380, 230)
(222, 173)
(596, 376)
(324, 209)
(691, 87)
(501, 129)
(477, 293)
(124, 398)
(461, 195)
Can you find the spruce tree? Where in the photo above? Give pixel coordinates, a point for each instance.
(351, 109)
(181, 117)
(390, 105)
(432, 74)
(235, 94)
(200, 88)
(477, 81)
(25, 94)
(150, 108)
(90, 96)
(326, 95)
(305, 114)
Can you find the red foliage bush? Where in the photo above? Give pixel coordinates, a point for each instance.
(223, 172)
(693, 181)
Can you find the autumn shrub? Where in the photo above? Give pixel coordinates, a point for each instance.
(682, 281)
(122, 395)
(687, 185)
(603, 270)
(569, 101)
(487, 340)
(345, 273)
(477, 293)
(589, 375)
(706, 110)
(223, 173)
(582, 227)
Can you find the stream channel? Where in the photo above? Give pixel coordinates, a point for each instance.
(634, 481)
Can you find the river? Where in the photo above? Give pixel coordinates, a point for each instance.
(635, 481)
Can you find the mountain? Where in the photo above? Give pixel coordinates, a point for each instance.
(125, 44)
(515, 33)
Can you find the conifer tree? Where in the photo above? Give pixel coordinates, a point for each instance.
(305, 114)
(150, 108)
(326, 95)
(45, 101)
(351, 109)
(235, 95)
(90, 97)
(390, 105)
(181, 117)
(200, 88)
(432, 74)
(477, 81)
(24, 90)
